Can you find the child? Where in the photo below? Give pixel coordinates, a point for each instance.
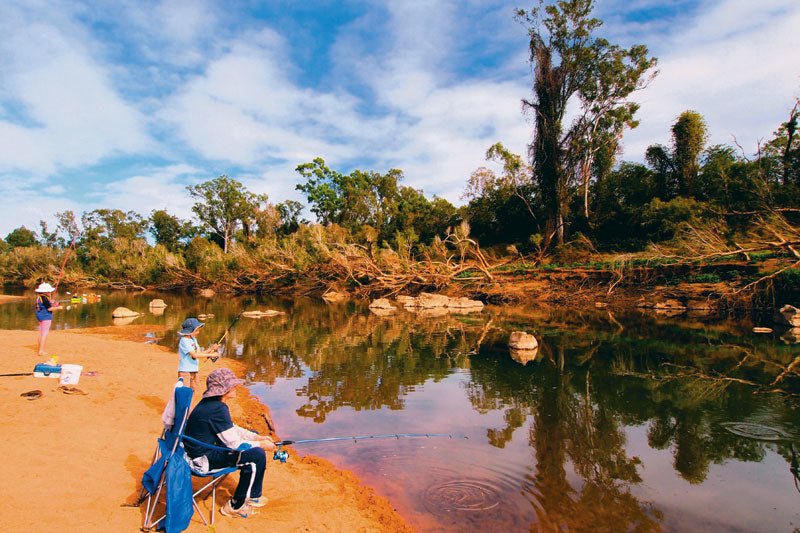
(189, 351)
(44, 308)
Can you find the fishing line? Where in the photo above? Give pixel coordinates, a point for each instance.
(283, 455)
(64, 262)
(227, 330)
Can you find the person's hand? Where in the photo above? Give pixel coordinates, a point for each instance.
(267, 444)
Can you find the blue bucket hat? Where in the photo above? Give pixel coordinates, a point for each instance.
(189, 326)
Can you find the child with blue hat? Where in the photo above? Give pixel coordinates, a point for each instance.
(189, 351)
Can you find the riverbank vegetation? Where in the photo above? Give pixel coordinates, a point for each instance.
(568, 214)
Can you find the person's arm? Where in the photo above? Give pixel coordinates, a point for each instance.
(198, 353)
(236, 436)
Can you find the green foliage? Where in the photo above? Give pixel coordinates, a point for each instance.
(28, 265)
(21, 237)
(791, 278)
(169, 230)
(689, 134)
(367, 198)
(571, 63)
(661, 220)
(225, 205)
(206, 259)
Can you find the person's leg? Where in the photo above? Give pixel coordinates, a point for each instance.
(252, 464)
(44, 329)
(187, 378)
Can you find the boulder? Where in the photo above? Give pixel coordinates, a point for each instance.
(123, 312)
(158, 303)
(762, 330)
(520, 340)
(405, 300)
(333, 296)
(427, 300)
(788, 315)
(670, 305)
(261, 314)
(205, 316)
(464, 303)
(382, 303)
(206, 293)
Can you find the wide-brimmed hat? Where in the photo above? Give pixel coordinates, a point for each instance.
(45, 287)
(220, 381)
(189, 326)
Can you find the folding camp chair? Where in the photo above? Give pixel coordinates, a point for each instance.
(171, 473)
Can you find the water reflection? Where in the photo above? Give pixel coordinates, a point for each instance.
(573, 436)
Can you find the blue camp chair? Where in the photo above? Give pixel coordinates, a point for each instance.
(171, 473)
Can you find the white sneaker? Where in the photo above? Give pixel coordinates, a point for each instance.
(257, 502)
(245, 511)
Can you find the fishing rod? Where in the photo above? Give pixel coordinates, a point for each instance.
(283, 455)
(227, 330)
(64, 262)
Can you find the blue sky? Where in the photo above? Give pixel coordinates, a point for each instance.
(123, 104)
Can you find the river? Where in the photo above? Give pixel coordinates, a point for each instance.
(620, 421)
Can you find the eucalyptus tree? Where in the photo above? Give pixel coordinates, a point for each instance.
(571, 63)
(224, 206)
(168, 230)
(676, 170)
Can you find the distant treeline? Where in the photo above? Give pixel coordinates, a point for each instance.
(568, 195)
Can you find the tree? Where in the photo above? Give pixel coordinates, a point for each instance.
(361, 198)
(689, 136)
(168, 230)
(68, 225)
(569, 62)
(108, 224)
(289, 212)
(21, 237)
(676, 171)
(47, 238)
(224, 204)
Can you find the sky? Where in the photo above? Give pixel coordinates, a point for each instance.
(123, 104)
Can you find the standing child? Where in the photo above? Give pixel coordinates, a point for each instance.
(190, 352)
(44, 308)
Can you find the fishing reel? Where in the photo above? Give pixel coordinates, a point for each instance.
(280, 455)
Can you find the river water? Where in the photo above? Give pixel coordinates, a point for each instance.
(619, 422)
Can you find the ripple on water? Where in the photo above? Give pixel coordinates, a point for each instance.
(461, 495)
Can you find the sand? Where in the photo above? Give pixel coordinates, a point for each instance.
(72, 460)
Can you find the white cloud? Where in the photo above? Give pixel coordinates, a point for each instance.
(71, 113)
(733, 65)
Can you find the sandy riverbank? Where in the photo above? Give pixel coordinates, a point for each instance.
(71, 460)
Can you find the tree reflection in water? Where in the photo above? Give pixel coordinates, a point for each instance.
(592, 380)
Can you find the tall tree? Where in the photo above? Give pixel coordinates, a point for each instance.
(569, 62)
(21, 237)
(168, 230)
(689, 136)
(224, 204)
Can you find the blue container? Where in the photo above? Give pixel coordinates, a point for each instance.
(45, 370)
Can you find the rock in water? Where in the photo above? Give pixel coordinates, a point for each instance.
(123, 312)
(158, 303)
(520, 340)
(788, 315)
(382, 303)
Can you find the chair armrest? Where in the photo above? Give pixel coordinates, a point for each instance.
(237, 453)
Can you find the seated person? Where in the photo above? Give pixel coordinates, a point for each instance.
(210, 422)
